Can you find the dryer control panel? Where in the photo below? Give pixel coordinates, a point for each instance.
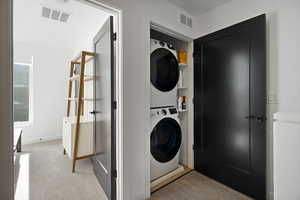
(172, 110)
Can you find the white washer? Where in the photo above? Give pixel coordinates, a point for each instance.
(165, 137)
(164, 74)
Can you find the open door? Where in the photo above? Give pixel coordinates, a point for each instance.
(104, 161)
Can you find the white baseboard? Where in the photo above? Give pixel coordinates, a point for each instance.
(41, 139)
(167, 176)
(270, 196)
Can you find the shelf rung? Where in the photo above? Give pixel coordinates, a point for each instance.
(89, 53)
(89, 59)
(84, 99)
(86, 78)
(81, 53)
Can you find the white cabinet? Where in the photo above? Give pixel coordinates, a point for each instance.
(86, 139)
(286, 156)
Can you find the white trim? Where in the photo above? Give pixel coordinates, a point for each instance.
(42, 139)
(119, 96)
(147, 116)
(270, 196)
(160, 28)
(22, 124)
(158, 181)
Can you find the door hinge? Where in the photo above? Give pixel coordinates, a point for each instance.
(197, 148)
(114, 36)
(115, 104)
(196, 54)
(114, 173)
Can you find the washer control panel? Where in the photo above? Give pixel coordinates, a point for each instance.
(163, 111)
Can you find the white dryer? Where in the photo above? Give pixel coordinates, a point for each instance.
(166, 137)
(164, 74)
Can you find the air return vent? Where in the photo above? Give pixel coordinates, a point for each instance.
(185, 20)
(54, 14)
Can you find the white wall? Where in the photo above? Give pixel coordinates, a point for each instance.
(283, 47)
(50, 71)
(50, 81)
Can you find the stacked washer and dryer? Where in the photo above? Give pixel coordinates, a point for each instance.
(166, 133)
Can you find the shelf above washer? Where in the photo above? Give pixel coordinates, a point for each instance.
(182, 65)
(182, 111)
(182, 88)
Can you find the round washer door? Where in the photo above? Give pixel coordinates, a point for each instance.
(164, 70)
(165, 140)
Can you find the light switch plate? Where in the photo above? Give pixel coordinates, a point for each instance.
(273, 99)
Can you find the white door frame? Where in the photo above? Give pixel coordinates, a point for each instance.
(6, 100)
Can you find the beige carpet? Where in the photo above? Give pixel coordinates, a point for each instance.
(195, 186)
(42, 172)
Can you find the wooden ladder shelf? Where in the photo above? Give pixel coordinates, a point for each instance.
(82, 59)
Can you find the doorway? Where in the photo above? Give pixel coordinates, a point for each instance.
(230, 106)
(46, 40)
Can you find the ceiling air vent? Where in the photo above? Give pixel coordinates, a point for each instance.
(56, 15)
(64, 17)
(46, 12)
(189, 22)
(185, 20)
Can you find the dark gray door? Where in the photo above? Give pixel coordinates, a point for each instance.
(230, 106)
(105, 146)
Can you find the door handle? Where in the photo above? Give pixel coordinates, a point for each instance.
(259, 118)
(94, 112)
(250, 117)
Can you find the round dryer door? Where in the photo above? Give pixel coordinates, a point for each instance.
(164, 70)
(165, 140)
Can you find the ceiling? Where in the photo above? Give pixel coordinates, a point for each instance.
(83, 23)
(30, 27)
(197, 7)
